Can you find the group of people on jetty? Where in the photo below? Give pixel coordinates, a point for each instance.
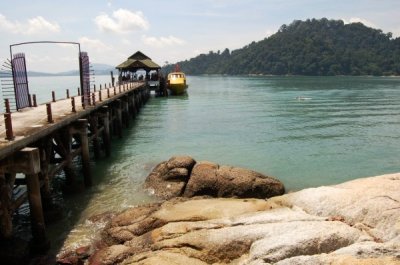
(151, 76)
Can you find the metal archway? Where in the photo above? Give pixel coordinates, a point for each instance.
(19, 78)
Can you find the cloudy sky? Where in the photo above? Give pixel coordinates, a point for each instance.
(165, 30)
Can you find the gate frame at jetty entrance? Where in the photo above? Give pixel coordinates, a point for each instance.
(24, 100)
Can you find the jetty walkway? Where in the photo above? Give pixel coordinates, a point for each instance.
(39, 142)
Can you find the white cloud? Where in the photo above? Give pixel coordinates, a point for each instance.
(38, 58)
(162, 41)
(122, 21)
(68, 59)
(33, 26)
(269, 32)
(93, 44)
(396, 32)
(126, 42)
(357, 19)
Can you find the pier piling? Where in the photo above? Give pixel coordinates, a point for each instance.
(94, 131)
(105, 118)
(81, 128)
(118, 109)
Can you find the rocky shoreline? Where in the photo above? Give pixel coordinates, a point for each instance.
(357, 222)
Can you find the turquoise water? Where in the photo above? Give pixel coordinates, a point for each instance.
(342, 128)
(339, 129)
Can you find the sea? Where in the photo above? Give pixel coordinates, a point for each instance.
(305, 131)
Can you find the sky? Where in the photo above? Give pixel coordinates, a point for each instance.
(165, 30)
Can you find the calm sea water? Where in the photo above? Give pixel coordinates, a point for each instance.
(339, 129)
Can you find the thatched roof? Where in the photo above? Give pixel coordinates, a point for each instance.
(137, 61)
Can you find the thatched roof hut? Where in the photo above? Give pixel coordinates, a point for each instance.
(138, 61)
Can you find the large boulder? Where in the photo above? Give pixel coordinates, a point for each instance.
(226, 181)
(168, 179)
(182, 176)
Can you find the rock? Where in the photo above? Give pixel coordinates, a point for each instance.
(182, 176)
(181, 162)
(162, 258)
(361, 253)
(168, 179)
(130, 223)
(372, 204)
(337, 260)
(352, 223)
(111, 255)
(225, 181)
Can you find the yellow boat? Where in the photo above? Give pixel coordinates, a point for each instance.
(176, 83)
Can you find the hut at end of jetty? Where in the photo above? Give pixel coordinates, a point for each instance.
(139, 67)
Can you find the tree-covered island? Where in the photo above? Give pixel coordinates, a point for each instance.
(318, 47)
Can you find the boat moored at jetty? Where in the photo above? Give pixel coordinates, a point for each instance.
(176, 82)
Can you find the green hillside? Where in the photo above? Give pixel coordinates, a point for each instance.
(311, 47)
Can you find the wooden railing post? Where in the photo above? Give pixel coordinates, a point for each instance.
(7, 105)
(9, 129)
(34, 100)
(73, 104)
(49, 113)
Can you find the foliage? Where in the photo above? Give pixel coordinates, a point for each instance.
(311, 47)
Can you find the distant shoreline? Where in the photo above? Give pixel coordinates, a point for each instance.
(270, 75)
(107, 72)
(75, 73)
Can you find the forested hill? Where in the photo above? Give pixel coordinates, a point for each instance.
(311, 47)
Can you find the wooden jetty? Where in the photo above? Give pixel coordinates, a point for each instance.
(41, 141)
